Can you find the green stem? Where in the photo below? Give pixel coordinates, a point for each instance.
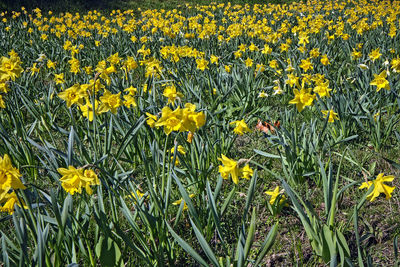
(163, 167)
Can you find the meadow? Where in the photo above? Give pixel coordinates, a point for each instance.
(201, 135)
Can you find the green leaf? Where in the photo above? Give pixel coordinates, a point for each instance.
(108, 252)
(187, 199)
(267, 245)
(187, 247)
(265, 154)
(5, 258)
(204, 244)
(70, 146)
(214, 212)
(228, 201)
(250, 194)
(250, 234)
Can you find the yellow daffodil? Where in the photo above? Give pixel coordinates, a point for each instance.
(171, 93)
(240, 127)
(325, 60)
(179, 201)
(9, 176)
(274, 195)
(332, 115)
(248, 62)
(306, 65)
(110, 102)
(73, 180)
(151, 119)
(302, 99)
(72, 95)
(380, 81)
(9, 201)
(59, 78)
(379, 186)
(375, 54)
(322, 89)
(231, 168)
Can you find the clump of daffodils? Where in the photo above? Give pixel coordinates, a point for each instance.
(9, 182)
(73, 180)
(231, 168)
(181, 119)
(10, 69)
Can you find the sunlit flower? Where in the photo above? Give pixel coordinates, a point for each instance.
(380, 81)
(8, 202)
(302, 99)
(322, 89)
(151, 119)
(59, 78)
(72, 95)
(332, 115)
(179, 201)
(248, 62)
(325, 60)
(231, 168)
(379, 186)
(240, 127)
(9, 176)
(274, 195)
(73, 180)
(202, 64)
(375, 54)
(171, 93)
(306, 65)
(110, 102)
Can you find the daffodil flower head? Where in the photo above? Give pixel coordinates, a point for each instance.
(379, 186)
(240, 127)
(275, 194)
(231, 168)
(9, 176)
(380, 81)
(73, 180)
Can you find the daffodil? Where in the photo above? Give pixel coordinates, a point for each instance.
(9, 176)
(59, 78)
(274, 195)
(302, 99)
(179, 201)
(110, 102)
(202, 64)
(73, 180)
(229, 167)
(332, 115)
(380, 81)
(10, 68)
(182, 120)
(72, 95)
(8, 203)
(171, 93)
(2, 102)
(306, 65)
(322, 89)
(379, 186)
(396, 64)
(240, 127)
(248, 62)
(151, 119)
(246, 172)
(375, 54)
(325, 60)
